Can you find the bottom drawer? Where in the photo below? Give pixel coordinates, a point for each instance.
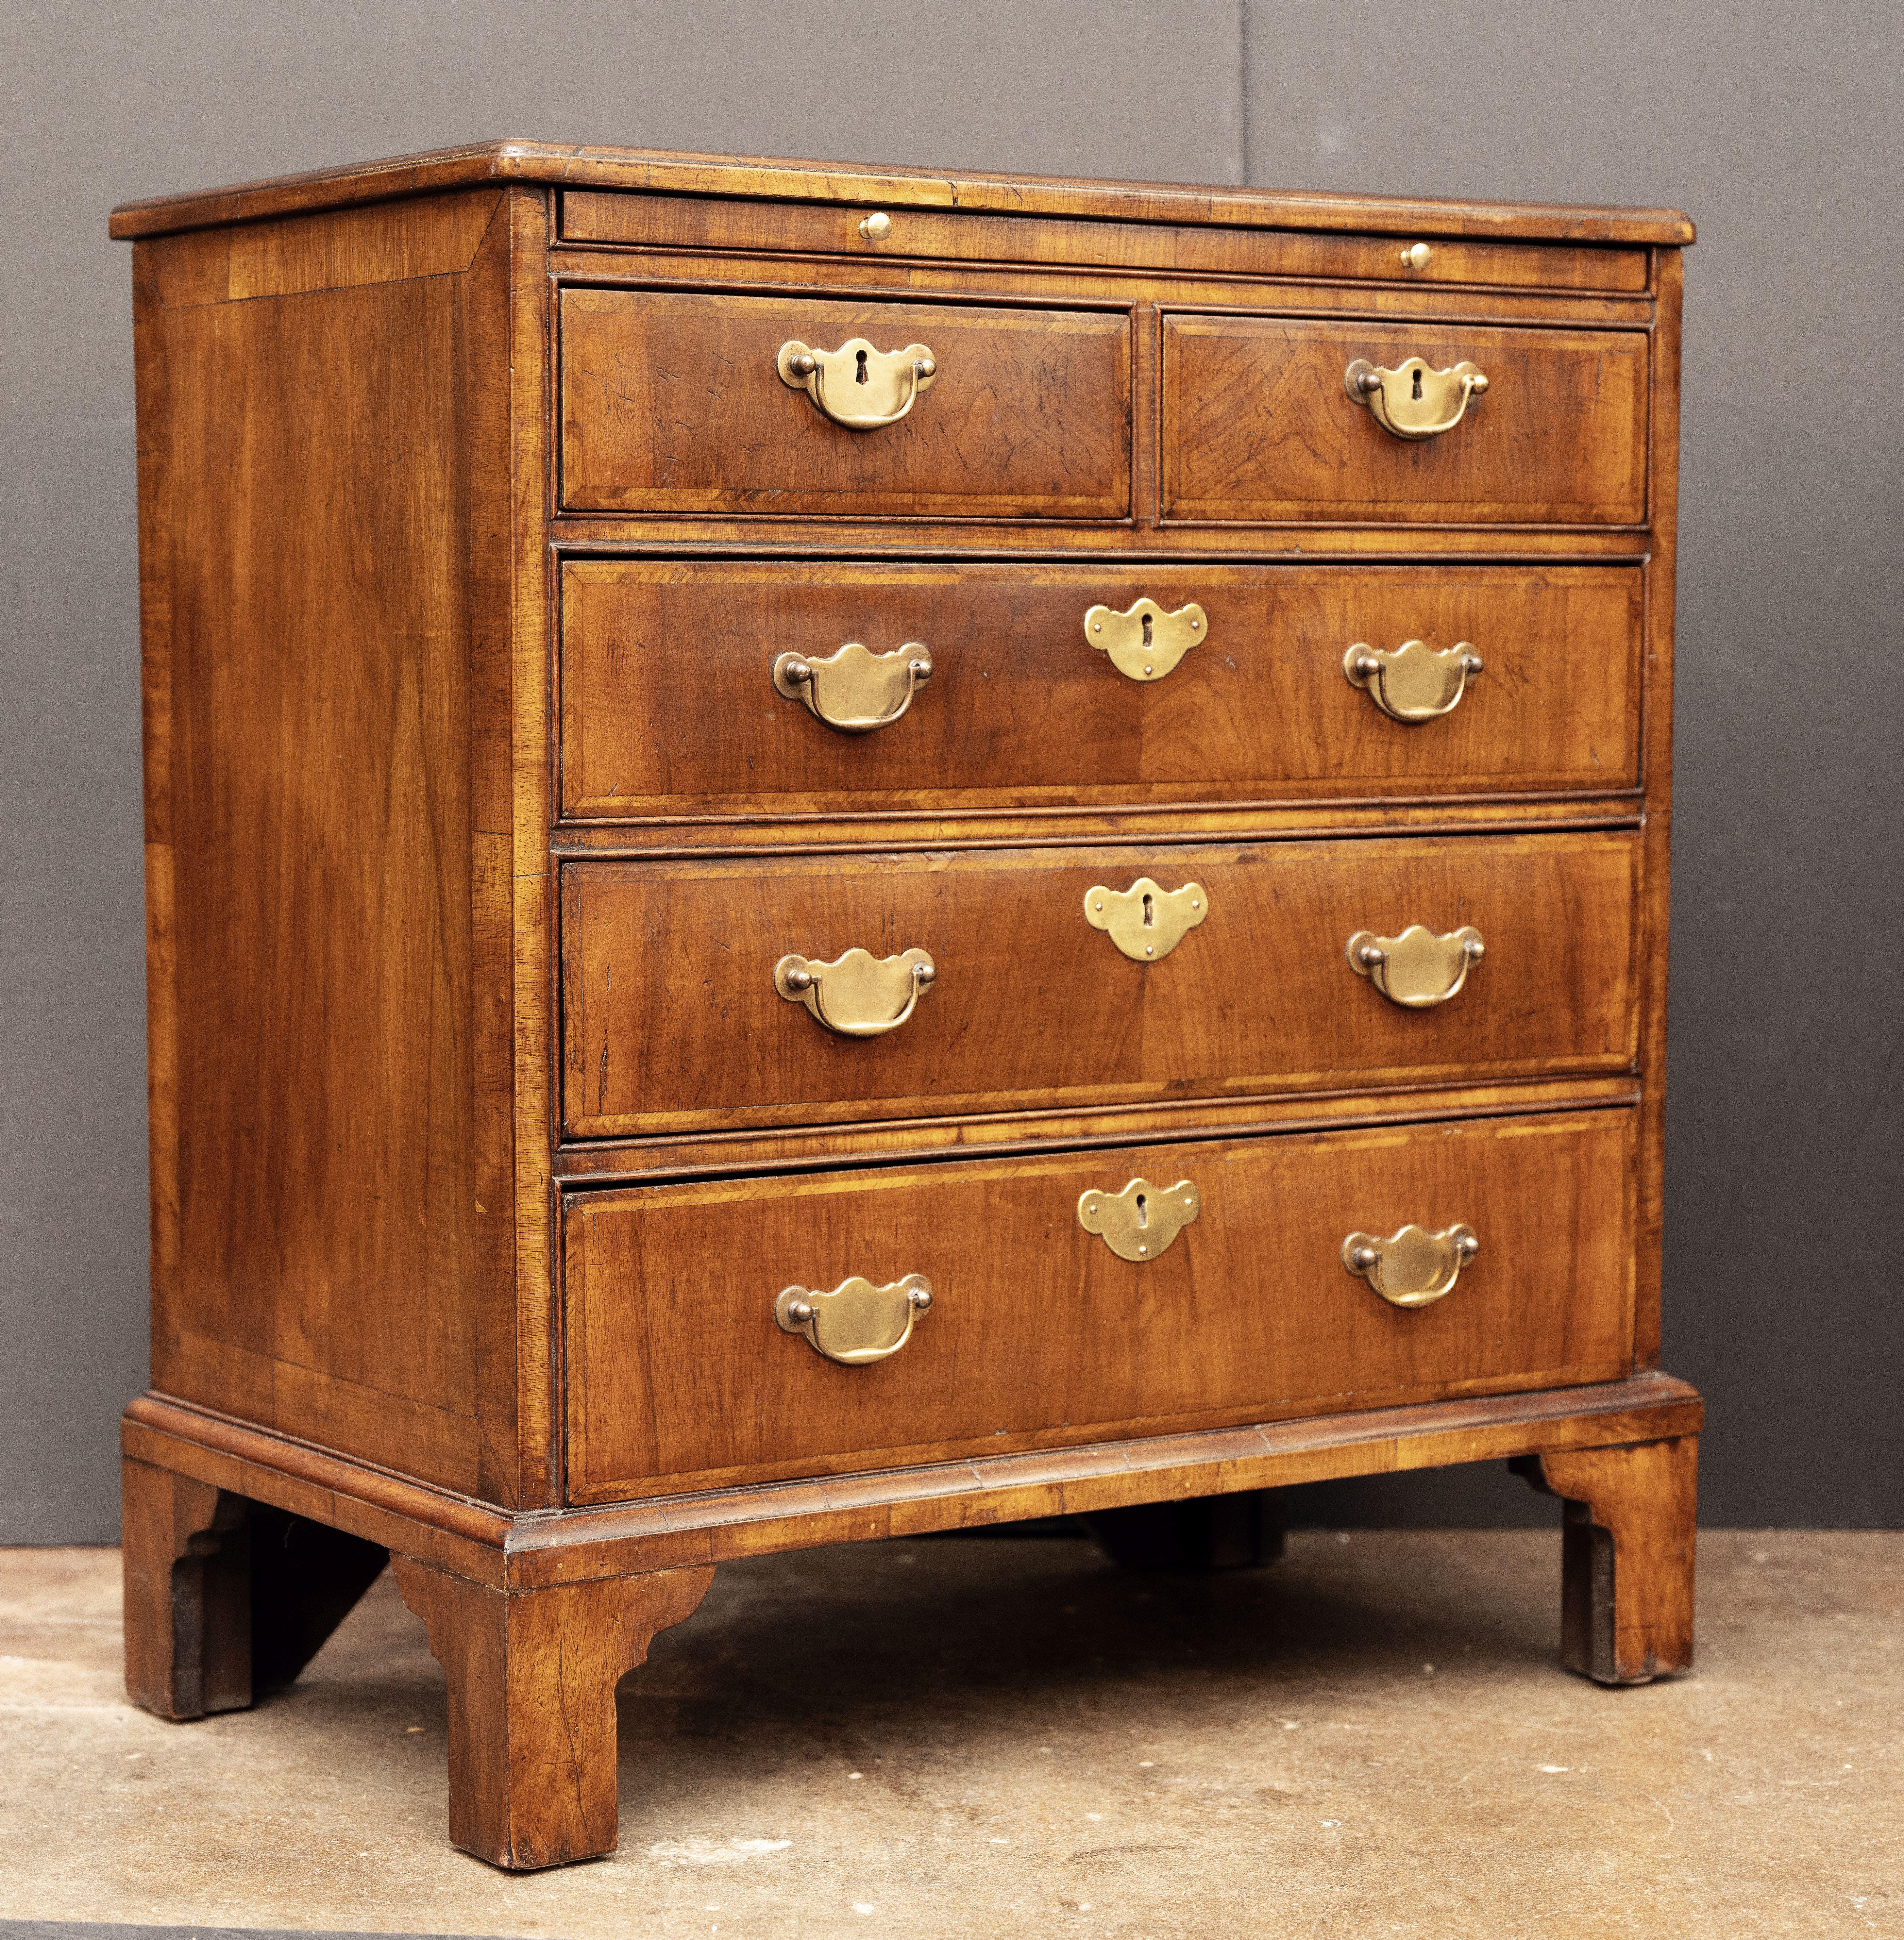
(1037, 1334)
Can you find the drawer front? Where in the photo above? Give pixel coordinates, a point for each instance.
(672, 1020)
(715, 223)
(675, 403)
(1039, 1334)
(669, 705)
(1258, 425)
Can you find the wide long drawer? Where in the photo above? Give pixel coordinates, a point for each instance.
(690, 1364)
(677, 1013)
(1263, 420)
(1227, 684)
(685, 403)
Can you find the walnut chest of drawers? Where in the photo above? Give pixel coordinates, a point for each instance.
(834, 853)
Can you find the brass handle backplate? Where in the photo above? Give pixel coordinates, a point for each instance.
(855, 690)
(1414, 683)
(1417, 968)
(858, 995)
(1139, 1222)
(1414, 401)
(1144, 643)
(857, 386)
(1413, 1268)
(857, 1321)
(1145, 922)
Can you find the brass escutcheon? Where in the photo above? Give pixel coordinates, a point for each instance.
(857, 386)
(1417, 968)
(1139, 1222)
(1413, 1268)
(857, 995)
(1414, 683)
(1412, 401)
(1145, 922)
(1144, 643)
(857, 1321)
(855, 690)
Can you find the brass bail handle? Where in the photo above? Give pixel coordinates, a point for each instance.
(1414, 401)
(1414, 683)
(1417, 969)
(858, 994)
(1412, 1268)
(855, 690)
(857, 1321)
(858, 386)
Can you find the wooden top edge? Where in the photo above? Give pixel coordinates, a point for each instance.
(666, 171)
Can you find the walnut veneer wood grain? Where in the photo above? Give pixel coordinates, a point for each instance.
(672, 1021)
(473, 512)
(668, 704)
(1258, 425)
(308, 617)
(674, 403)
(679, 1379)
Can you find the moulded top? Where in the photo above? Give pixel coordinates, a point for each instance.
(667, 172)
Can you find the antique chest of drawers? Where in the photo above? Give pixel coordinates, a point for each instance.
(835, 853)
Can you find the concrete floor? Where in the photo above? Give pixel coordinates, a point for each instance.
(978, 1738)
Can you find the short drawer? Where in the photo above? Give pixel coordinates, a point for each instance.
(675, 699)
(1260, 424)
(674, 1017)
(1037, 1334)
(678, 403)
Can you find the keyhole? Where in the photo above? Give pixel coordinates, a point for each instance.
(1146, 630)
(1150, 914)
(860, 377)
(1143, 1216)
(862, 374)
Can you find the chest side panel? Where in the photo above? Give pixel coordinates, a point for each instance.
(309, 611)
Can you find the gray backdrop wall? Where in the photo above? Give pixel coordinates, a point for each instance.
(1780, 128)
